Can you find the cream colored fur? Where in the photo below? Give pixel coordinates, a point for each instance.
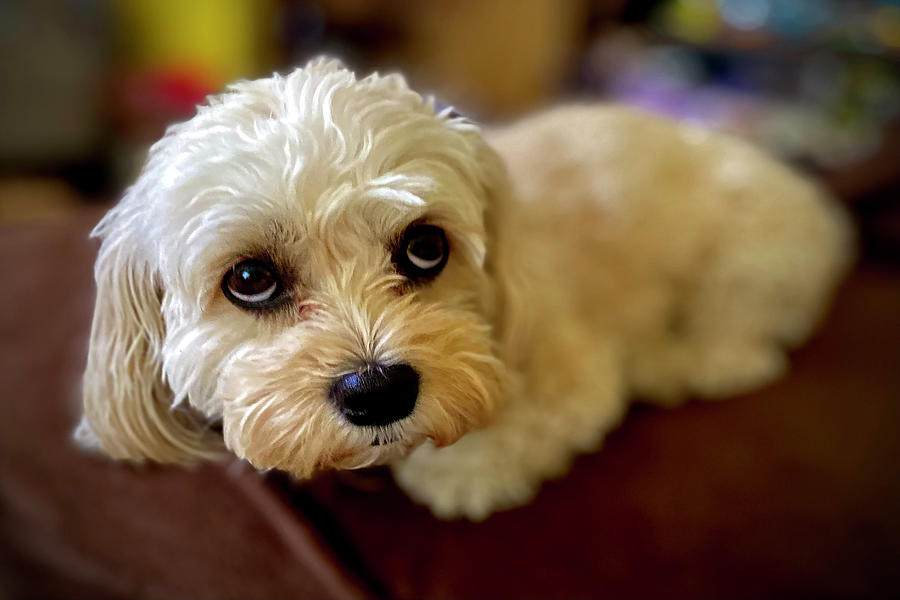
(597, 253)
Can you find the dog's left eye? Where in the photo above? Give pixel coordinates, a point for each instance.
(252, 283)
(422, 252)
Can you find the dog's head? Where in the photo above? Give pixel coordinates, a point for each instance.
(309, 261)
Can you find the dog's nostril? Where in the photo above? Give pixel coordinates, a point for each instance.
(378, 395)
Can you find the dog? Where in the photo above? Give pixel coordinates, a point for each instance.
(320, 272)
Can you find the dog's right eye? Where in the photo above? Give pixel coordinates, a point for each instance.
(252, 283)
(422, 252)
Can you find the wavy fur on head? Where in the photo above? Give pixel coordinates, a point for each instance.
(629, 254)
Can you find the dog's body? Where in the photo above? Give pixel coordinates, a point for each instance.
(629, 256)
(659, 260)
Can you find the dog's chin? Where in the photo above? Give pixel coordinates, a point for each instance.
(324, 442)
(282, 431)
(383, 449)
(320, 440)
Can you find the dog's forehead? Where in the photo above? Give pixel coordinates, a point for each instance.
(312, 138)
(311, 155)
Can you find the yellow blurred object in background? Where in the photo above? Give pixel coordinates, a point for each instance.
(221, 39)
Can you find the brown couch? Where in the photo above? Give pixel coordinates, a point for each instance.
(790, 491)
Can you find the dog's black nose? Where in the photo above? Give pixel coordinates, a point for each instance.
(378, 395)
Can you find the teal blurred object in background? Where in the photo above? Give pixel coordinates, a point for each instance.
(815, 81)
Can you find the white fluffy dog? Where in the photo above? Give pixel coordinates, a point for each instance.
(341, 277)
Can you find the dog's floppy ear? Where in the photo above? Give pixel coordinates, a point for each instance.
(511, 319)
(127, 405)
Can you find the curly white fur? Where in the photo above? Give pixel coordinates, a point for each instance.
(630, 255)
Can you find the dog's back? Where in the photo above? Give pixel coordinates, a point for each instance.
(703, 254)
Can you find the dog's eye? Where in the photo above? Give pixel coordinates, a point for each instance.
(422, 253)
(252, 283)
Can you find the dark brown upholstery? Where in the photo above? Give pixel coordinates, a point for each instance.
(790, 491)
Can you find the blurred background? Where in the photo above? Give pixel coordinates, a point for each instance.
(87, 85)
(791, 492)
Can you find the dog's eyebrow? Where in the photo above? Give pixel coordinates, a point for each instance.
(416, 183)
(271, 242)
(276, 234)
(402, 188)
(393, 195)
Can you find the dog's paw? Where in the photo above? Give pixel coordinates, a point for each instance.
(729, 370)
(460, 482)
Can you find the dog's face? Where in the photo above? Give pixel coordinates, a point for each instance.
(307, 260)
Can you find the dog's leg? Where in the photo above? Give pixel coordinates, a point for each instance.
(534, 438)
(671, 371)
(729, 328)
(711, 345)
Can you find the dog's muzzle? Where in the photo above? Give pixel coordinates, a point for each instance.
(376, 395)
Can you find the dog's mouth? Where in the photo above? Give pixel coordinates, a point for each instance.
(385, 439)
(396, 433)
(392, 435)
